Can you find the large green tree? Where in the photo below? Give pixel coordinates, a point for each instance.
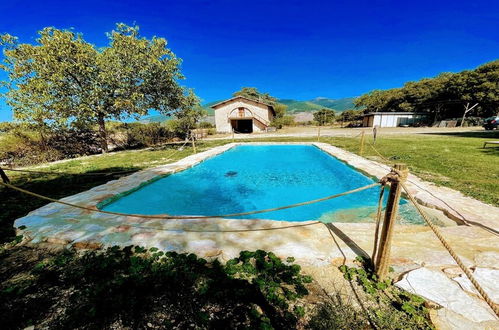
(448, 95)
(324, 117)
(64, 80)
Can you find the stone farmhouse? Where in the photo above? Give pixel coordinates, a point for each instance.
(242, 115)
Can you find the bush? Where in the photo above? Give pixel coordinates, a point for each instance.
(205, 124)
(283, 121)
(143, 135)
(23, 146)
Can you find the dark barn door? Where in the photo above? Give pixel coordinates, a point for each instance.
(243, 125)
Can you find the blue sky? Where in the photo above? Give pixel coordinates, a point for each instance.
(290, 49)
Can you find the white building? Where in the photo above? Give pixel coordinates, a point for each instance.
(242, 115)
(394, 119)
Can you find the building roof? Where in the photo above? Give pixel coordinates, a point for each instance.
(395, 113)
(214, 106)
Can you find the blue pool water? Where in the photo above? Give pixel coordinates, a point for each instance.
(247, 178)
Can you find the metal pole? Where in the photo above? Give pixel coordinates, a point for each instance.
(382, 262)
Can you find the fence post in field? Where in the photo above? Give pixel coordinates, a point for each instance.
(193, 143)
(381, 264)
(4, 176)
(362, 137)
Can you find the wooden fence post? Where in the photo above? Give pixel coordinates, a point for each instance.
(193, 143)
(381, 264)
(362, 137)
(4, 176)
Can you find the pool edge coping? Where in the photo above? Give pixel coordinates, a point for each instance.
(426, 193)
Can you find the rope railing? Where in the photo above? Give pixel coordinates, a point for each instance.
(461, 217)
(396, 175)
(454, 255)
(167, 216)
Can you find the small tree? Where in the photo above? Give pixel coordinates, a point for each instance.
(253, 94)
(324, 117)
(188, 118)
(63, 80)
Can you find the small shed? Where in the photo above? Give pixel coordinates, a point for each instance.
(242, 115)
(394, 119)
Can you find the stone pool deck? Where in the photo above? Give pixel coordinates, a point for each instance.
(421, 263)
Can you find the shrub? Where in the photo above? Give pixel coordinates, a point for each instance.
(205, 124)
(283, 121)
(23, 146)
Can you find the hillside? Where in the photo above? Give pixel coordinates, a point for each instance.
(300, 106)
(307, 106)
(336, 104)
(294, 106)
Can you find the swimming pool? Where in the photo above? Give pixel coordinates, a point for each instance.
(253, 177)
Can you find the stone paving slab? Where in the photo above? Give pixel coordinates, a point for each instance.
(435, 286)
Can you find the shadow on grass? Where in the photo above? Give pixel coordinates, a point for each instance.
(137, 289)
(475, 134)
(16, 204)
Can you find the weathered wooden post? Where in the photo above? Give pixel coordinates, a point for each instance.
(4, 176)
(381, 264)
(193, 142)
(362, 137)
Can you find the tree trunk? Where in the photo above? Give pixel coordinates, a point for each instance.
(466, 110)
(102, 132)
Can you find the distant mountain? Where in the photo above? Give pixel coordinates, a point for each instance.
(294, 106)
(300, 106)
(342, 104)
(318, 103)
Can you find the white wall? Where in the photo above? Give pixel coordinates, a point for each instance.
(389, 120)
(222, 114)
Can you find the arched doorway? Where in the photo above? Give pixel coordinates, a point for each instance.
(241, 120)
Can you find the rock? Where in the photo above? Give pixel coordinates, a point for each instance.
(444, 319)
(487, 259)
(488, 280)
(453, 271)
(87, 245)
(435, 286)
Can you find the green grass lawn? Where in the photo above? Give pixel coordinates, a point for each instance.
(453, 160)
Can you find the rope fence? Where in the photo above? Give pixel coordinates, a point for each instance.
(381, 251)
(454, 255)
(167, 216)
